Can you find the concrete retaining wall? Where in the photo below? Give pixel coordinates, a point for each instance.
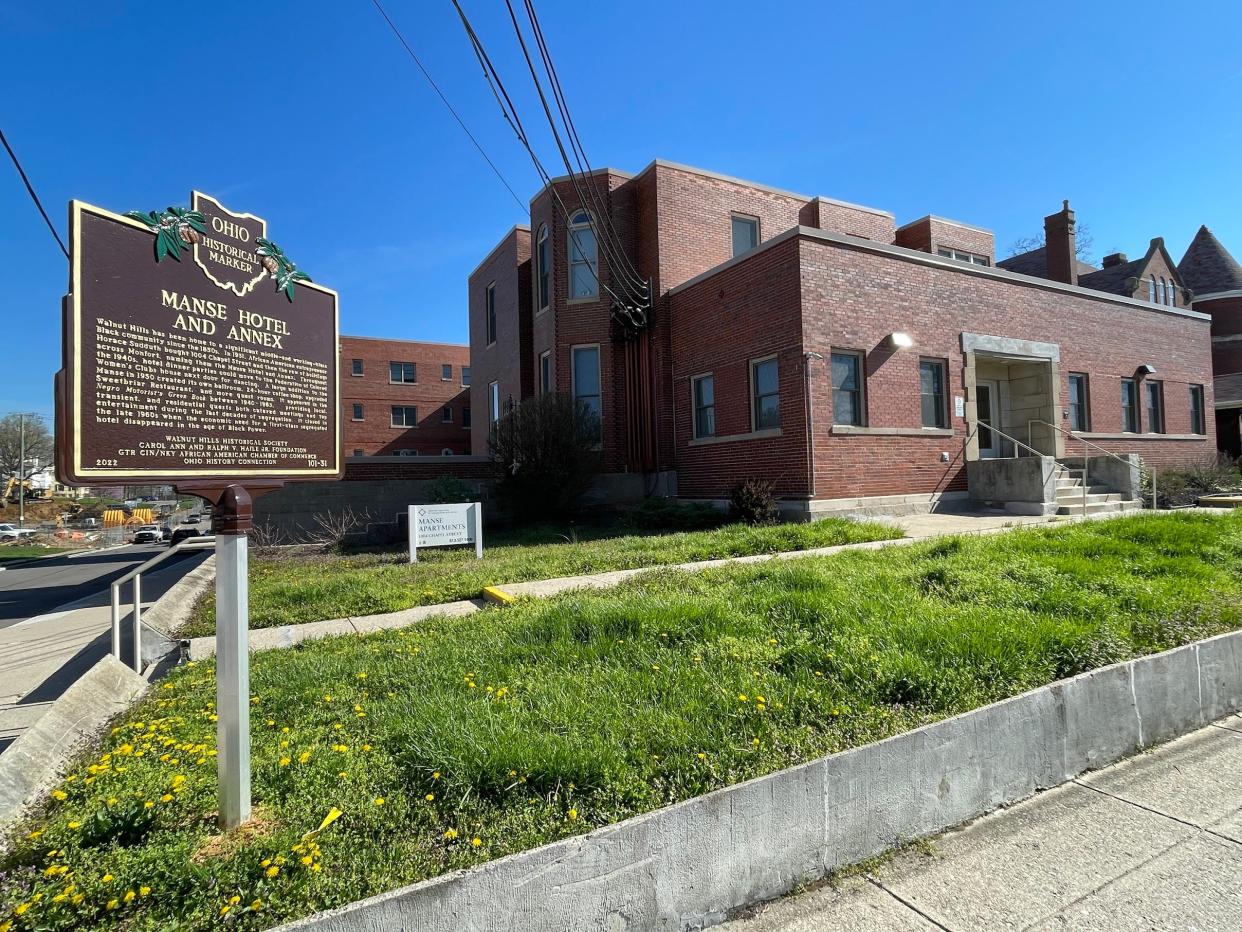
(34, 762)
(1024, 485)
(687, 866)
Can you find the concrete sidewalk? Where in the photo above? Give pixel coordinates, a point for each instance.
(1152, 843)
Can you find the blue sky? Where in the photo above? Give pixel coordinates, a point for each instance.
(310, 115)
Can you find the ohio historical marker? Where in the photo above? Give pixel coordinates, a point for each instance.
(194, 349)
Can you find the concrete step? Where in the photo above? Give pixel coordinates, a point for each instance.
(1092, 508)
(1093, 498)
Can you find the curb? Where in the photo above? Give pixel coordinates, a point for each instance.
(690, 865)
(31, 765)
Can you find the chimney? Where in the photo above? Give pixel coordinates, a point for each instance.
(1059, 246)
(1116, 258)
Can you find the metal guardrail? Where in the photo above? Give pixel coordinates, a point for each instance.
(193, 543)
(1087, 445)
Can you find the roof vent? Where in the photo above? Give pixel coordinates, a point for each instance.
(1116, 258)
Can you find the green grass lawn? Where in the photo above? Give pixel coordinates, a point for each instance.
(302, 588)
(26, 551)
(456, 741)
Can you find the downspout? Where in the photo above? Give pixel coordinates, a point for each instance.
(810, 421)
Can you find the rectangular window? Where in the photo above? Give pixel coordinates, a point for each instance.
(745, 234)
(356, 368)
(357, 412)
(586, 387)
(493, 402)
(765, 394)
(545, 372)
(446, 415)
(541, 269)
(1079, 411)
(358, 453)
(1129, 406)
(465, 375)
(404, 416)
(490, 300)
(847, 389)
(465, 417)
(403, 372)
(1198, 419)
(932, 400)
(704, 406)
(1154, 395)
(960, 256)
(583, 258)
(446, 372)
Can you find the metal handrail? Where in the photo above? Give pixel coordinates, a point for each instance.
(192, 543)
(1086, 458)
(996, 430)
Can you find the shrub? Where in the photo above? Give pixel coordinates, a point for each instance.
(657, 513)
(545, 453)
(449, 490)
(1180, 487)
(754, 501)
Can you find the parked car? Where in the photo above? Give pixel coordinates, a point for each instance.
(13, 532)
(191, 519)
(184, 533)
(148, 534)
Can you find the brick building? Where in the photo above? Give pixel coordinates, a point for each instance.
(404, 397)
(1215, 279)
(858, 364)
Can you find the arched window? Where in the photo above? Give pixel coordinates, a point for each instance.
(1172, 293)
(1151, 290)
(543, 281)
(583, 264)
(1164, 291)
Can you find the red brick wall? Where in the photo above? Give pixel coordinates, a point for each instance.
(1161, 269)
(374, 434)
(503, 361)
(845, 218)
(749, 311)
(853, 299)
(1226, 322)
(932, 233)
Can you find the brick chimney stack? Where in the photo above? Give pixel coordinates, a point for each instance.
(1060, 245)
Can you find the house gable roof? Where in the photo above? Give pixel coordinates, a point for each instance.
(1035, 262)
(1207, 267)
(1124, 277)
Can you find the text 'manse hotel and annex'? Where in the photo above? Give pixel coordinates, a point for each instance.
(854, 362)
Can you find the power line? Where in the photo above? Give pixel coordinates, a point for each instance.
(456, 116)
(33, 196)
(608, 241)
(574, 140)
(509, 111)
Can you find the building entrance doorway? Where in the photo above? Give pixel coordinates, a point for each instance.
(988, 408)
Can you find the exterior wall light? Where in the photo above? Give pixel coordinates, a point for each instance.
(1146, 369)
(899, 341)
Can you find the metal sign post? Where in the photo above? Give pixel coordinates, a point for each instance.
(231, 521)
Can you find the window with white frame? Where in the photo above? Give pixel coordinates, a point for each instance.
(583, 261)
(933, 403)
(704, 392)
(357, 412)
(847, 388)
(545, 372)
(356, 367)
(405, 373)
(446, 372)
(446, 415)
(1153, 392)
(404, 416)
(465, 375)
(1151, 289)
(962, 256)
(586, 387)
(765, 394)
(745, 233)
(543, 280)
(1129, 406)
(493, 402)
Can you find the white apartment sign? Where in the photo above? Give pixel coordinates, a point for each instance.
(446, 526)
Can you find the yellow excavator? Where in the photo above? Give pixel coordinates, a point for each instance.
(12, 487)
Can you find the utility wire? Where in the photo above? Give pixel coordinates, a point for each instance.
(610, 245)
(572, 132)
(33, 196)
(509, 111)
(460, 122)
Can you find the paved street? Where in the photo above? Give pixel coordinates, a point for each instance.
(55, 623)
(1152, 843)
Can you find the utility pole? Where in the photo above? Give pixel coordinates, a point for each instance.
(21, 467)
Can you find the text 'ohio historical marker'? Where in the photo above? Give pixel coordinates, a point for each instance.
(196, 353)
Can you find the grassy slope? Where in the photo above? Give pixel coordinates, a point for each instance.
(300, 589)
(613, 703)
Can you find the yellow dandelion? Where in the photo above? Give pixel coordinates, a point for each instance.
(256, 906)
(129, 896)
(166, 798)
(59, 795)
(430, 797)
(224, 910)
(476, 841)
(701, 756)
(573, 815)
(450, 834)
(272, 871)
(234, 900)
(106, 878)
(144, 891)
(362, 675)
(284, 762)
(304, 757)
(379, 800)
(435, 775)
(113, 903)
